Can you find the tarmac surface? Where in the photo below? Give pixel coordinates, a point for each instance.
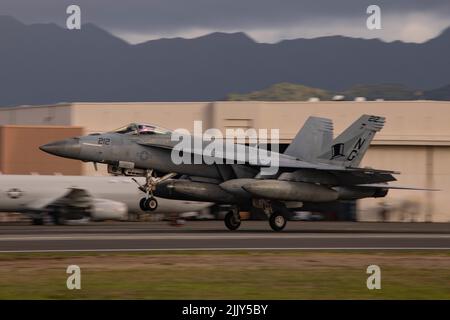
(212, 235)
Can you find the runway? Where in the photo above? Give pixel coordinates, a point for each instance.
(212, 235)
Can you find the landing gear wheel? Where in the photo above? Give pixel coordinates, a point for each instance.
(277, 221)
(232, 222)
(142, 204)
(151, 204)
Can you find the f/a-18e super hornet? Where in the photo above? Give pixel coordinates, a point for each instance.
(313, 169)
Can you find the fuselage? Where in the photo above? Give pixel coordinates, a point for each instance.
(114, 149)
(144, 147)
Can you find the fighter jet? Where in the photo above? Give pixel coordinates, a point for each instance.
(314, 168)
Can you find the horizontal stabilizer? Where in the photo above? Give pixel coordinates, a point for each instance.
(386, 186)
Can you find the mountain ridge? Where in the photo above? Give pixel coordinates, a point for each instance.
(46, 63)
(383, 91)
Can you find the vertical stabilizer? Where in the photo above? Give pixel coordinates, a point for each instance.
(311, 140)
(349, 147)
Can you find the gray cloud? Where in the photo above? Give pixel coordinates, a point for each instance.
(265, 20)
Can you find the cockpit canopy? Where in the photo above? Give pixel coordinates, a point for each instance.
(141, 128)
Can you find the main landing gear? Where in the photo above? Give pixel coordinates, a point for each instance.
(149, 202)
(277, 221)
(276, 212)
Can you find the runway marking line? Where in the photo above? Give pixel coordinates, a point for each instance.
(228, 249)
(223, 237)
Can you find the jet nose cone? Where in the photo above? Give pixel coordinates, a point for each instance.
(51, 148)
(69, 148)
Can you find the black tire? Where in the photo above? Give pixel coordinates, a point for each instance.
(231, 222)
(142, 204)
(151, 204)
(277, 221)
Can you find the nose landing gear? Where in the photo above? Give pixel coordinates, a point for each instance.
(149, 202)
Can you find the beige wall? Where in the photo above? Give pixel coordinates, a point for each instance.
(109, 116)
(20, 153)
(414, 141)
(440, 178)
(419, 166)
(408, 122)
(37, 115)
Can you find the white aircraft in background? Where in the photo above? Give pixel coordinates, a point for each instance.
(65, 199)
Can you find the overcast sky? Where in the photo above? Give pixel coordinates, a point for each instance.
(263, 20)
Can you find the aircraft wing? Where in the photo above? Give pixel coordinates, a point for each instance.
(298, 164)
(74, 197)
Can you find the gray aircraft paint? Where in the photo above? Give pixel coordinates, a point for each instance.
(140, 146)
(154, 152)
(349, 147)
(310, 141)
